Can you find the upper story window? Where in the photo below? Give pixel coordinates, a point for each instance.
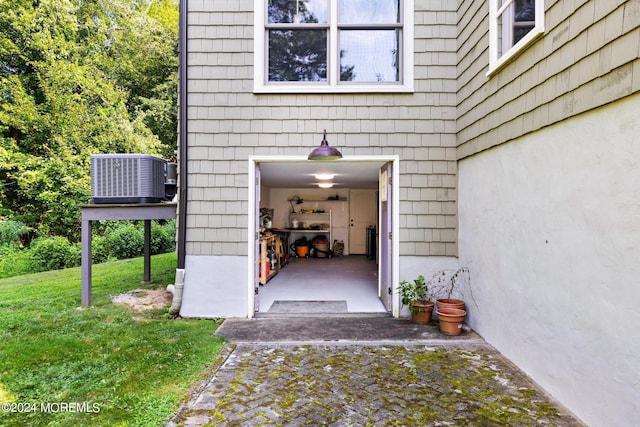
(514, 25)
(319, 46)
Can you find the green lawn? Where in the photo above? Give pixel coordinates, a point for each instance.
(104, 366)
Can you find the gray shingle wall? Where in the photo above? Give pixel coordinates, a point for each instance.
(587, 57)
(228, 123)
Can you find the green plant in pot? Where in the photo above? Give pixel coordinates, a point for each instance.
(414, 295)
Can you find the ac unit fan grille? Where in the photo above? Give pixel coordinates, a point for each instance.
(127, 178)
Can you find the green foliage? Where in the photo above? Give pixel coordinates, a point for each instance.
(111, 240)
(53, 253)
(163, 237)
(14, 261)
(11, 232)
(413, 291)
(100, 250)
(126, 241)
(137, 367)
(79, 77)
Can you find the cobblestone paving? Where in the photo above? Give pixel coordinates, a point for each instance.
(369, 385)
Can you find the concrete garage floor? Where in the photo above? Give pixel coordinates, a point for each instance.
(363, 371)
(350, 281)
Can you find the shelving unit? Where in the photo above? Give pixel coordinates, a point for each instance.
(311, 220)
(273, 242)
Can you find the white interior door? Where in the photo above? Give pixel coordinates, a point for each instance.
(362, 214)
(385, 254)
(256, 264)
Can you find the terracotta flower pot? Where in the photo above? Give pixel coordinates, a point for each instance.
(451, 320)
(421, 311)
(450, 303)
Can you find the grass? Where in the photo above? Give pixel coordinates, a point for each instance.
(61, 365)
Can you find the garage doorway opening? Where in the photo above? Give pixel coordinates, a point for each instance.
(284, 192)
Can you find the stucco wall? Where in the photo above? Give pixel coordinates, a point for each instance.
(215, 286)
(550, 228)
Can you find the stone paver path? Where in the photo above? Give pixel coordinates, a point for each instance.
(345, 384)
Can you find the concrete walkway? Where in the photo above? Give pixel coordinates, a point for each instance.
(363, 371)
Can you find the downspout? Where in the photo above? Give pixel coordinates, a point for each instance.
(177, 288)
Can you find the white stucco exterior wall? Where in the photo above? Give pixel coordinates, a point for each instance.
(550, 228)
(215, 286)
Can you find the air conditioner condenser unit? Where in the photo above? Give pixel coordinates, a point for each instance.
(127, 178)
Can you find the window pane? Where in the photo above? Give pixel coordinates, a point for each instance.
(297, 55)
(369, 12)
(505, 23)
(525, 10)
(525, 17)
(520, 31)
(297, 11)
(369, 55)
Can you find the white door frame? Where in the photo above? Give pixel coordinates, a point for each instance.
(251, 227)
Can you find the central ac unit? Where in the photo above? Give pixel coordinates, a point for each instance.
(127, 178)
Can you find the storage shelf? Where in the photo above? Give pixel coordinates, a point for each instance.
(341, 199)
(272, 240)
(309, 213)
(303, 230)
(319, 218)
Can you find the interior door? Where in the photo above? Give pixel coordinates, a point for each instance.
(256, 267)
(386, 248)
(362, 213)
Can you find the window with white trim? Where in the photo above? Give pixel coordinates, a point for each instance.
(333, 46)
(514, 25)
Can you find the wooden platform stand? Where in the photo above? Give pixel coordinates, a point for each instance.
(269, 241)
(94, 212)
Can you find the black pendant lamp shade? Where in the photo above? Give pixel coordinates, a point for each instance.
(324, 152)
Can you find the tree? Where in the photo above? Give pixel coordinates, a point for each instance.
(138, 48)
(79, 77)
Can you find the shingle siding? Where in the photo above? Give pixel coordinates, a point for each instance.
(585, 59)
(228, 123)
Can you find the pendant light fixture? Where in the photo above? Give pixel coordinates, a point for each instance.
(324, 152)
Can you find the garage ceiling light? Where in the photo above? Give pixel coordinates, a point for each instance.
(324, 176)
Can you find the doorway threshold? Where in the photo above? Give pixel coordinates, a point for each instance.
(267, 315)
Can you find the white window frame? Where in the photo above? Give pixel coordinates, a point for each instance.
(496, 37)
(332, 85)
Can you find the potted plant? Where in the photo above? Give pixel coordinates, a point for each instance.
(451, 311)
(414, 295)
(445, 284)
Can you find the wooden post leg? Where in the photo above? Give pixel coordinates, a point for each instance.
(85, 299)
(147, 250)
